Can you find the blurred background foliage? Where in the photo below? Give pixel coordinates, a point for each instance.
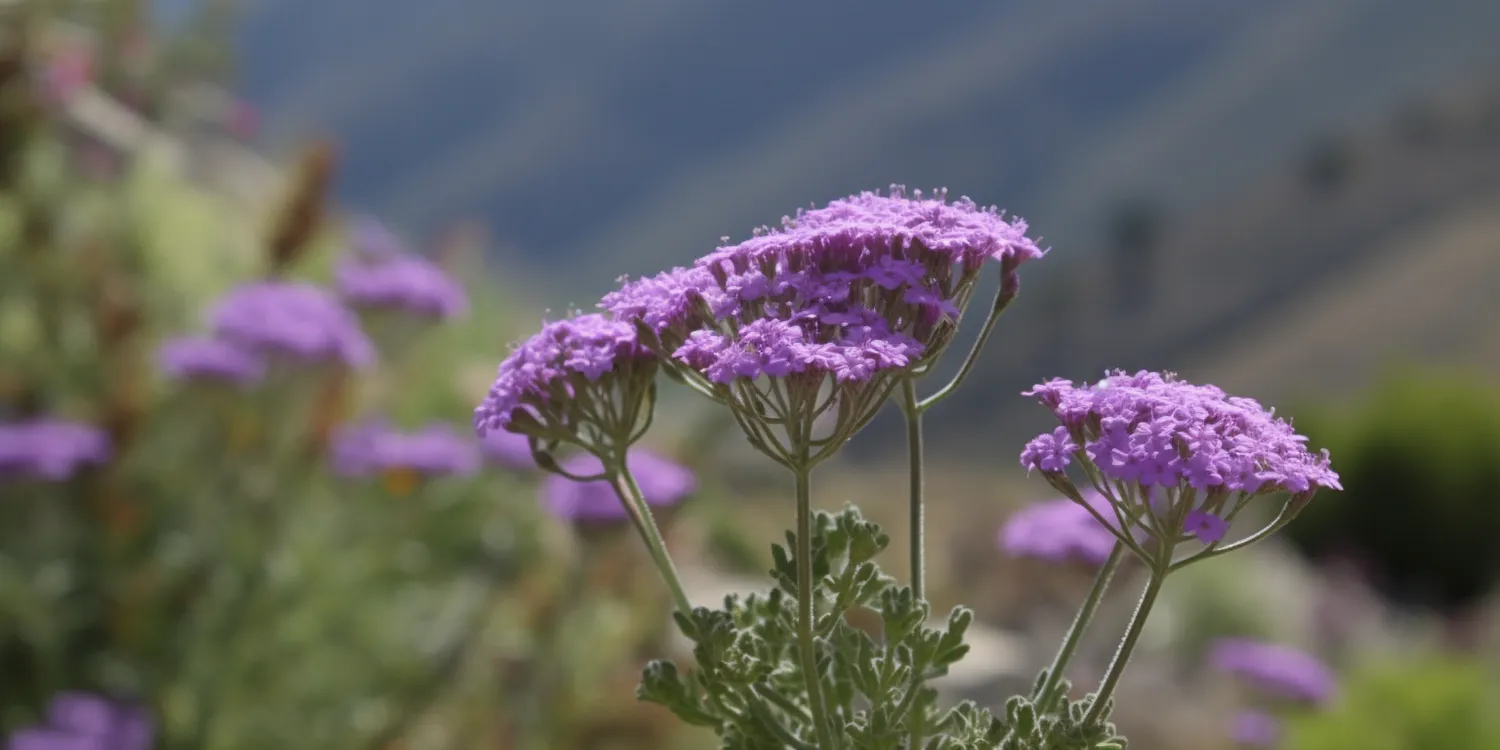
(218, 572)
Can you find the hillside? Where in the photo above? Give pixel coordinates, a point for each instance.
(636, 135)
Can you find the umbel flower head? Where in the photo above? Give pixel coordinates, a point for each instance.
(50, 449)
(584, 380)
(1176, 459)
(376, 449)
(1061, 531)
(662, 483)
(1275, 671)
(819, 315)
(292, 320)
(83, 721)
(404, 282)
(205, 359)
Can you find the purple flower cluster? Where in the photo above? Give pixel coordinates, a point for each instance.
(81, 721)
(1275, 670)
(508, 450)
(375, 448)
(1154, 430)
(211, 360)
(292, 319)
(662, 483)
(553, 368)
(50, 449)
(1061, 531)
(401, 282)
(862, 286)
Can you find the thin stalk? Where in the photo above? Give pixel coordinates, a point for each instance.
(805, 613)
(640, 514)
(1122, 656)
(1044, 697)
(917, 522)
(918, 518)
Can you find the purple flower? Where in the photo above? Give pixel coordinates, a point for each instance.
(1154, 430)
(662, 483)
(82, 721)
(1207, 527)
(547, 373)
(508, 449)
(1256, 729)
(208, 359)
(867, 285)
(400, 281)
(1061, 531)
(374, 448)
(292, 319)
(50, 449)
(1274, 669)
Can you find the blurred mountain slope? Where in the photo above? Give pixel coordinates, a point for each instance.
(633, 136)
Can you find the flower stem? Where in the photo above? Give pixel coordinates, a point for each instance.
(1044, 697)
(917, 522)
(640, 515)
(1122, 656)
(805, 613)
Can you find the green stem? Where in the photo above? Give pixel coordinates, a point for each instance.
(805, 613)
(640, 514)
(1122, 656)
(1044, 697)
(917, 522)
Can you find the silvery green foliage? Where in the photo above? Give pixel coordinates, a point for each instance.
(1066, 728)
(748, 685)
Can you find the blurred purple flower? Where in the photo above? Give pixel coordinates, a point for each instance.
(371, 239)
(1274, 669)
(50, 449)
(1256, 729)
(662, 483)
(209, 359)
(546, 371)
(508, 449)
(293, 319)
(374, 448)
(1155, 430)
(82, 721)
(1060, 531)
(400, 281)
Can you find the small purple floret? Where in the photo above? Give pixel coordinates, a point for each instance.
(1060, 531)
(662, 483)
(1207, 527)
(50, 449)
(292, 319)
(1274, 669)
(209, 359)
(374, 448)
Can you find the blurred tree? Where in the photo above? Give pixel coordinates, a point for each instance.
(1420, 462)
(1133, 230)
(1329, 162)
